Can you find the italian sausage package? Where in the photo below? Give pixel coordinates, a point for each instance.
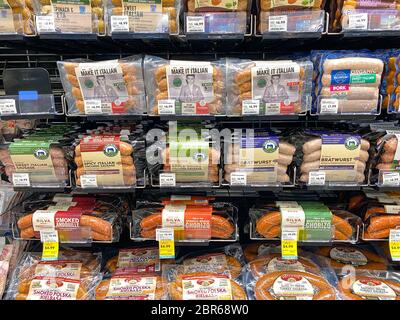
(17, 17)
(268, 87)
(257, 158)
(348, 83)
(111, 87)
(82, 16)
(144, 17)
(184, 87)
(211, 222)
(371, 285)
(63, 279)
(81, 219)
(315, 222)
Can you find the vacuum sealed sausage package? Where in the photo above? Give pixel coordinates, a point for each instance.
(143, 17)
(17, 17)
(63, 16)
(113, 87)
(184, 87)
(258, 158)
(268, 87)
(254, 250)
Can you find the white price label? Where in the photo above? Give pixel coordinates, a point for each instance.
(166, 106)
(167, 180)
(89, 181)
(277, 23)
(391, 178)
(45, 24)
(7, 106)
(238, 178)
(49, 236)
(272, 108)
(119, 24)
(164, 234)
(316, 178)
(93, 106)
(329, 106)
(358, 21)
(21, 180)
(394, 244)
(195, 24)
(251, 107)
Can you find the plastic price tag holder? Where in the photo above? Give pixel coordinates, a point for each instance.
(93, 106)
(89, 181)
(238, 179)
(195, 24)
(119, 24)
(278, 23)
(316, 178)
(50, 245)
(250, 107)
(166, 106)
(391, 179)
(7, 106)
(167, 180)
(45, 24)
(289, 238)
(21, 179)
(329, 106)
(358, 21)
(28, 95)
(166, 243)
(394, 244)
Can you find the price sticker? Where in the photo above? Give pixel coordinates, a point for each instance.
(358, 21)
(89, 181)
(394, 244)
(329, 106)
(238, 178)
(21, 179)
(93, 106)
(167, 180)
(195, 24)
(316, 178)
(50, 244)
(391, 178)
(166, 243)
(272, 108)
(119, 24)
(7, 106)
(277, 23)
(250, 107)
(166, 106)
(289, 238)
(45, 24)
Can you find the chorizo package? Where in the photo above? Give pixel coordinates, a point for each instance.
(73, 277)
(184, 87)
(348, 82)
(268, 87)
(261, 156)
(17, 17)
(106, 87)
(147, 16)
(76, 218)
(205, 222)
(314, 220)
(82, 16)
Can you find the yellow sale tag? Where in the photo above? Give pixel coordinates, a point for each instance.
(289, 243)
(394, 244)
(50, 251)
(166, 243)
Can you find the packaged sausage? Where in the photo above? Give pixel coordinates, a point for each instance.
(268, 87)
(254, 250)
(184, 87)
(393, 87)
(77, 218)
(63, 279)
(270, 5)
(205, 222)
(257, 157)
(145, 16)
(112, 87)
(80, 16)
(315, 222)
(17, 17)
(217, 6)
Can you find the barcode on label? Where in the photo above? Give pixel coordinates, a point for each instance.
(93, 106)
(195, 24)
(391, 178)
(238, 179)
(45, 24)
(89, 181)
(21, 179)
(329, 106)
(7, 106)
(251, 107)
(167, 180)
(277, 23)
(316, 178)
(119, 24)
(166, 106)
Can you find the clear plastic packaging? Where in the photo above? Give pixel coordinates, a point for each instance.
(113, 87)
(268, 87)
(255, 250)
(370, 19)
(17, 17)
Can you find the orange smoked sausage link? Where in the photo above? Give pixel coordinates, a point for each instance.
(125, 149)
(176, 287)
(263, 289)
(381, 222)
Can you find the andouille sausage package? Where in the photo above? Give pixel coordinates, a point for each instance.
(105, 87)
(17, 17)
(268, 87)
(184, 87)
(262, 158)
(81, 16)
(150, 16)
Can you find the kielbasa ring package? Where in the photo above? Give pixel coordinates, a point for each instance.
(184, 87)
(112, 87)
(268, 87)
(73, 278)
(214, 222)
(146, 18)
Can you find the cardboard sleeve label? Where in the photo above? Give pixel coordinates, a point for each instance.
(206, 288)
